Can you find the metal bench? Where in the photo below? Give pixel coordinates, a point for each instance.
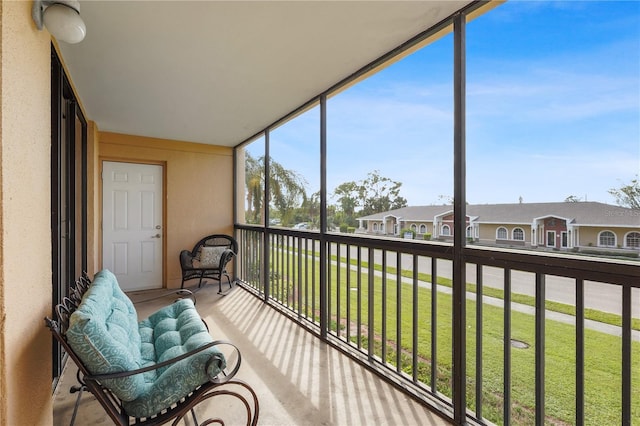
(148, 372)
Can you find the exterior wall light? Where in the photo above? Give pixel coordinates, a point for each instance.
(62, 19)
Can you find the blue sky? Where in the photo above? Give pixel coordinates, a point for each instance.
(553, 110)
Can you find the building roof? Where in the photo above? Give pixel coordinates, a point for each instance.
(580, 213)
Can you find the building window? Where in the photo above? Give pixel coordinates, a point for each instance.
(501, 233)
(632, 240)
(423, 229)
(469, 232)
(375, 226)
(518, 234)
(414, 228)
(446, 230)
(607, 239)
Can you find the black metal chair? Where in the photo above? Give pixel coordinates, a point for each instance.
(209, 259)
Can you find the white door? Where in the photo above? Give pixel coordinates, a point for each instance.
(132, 224)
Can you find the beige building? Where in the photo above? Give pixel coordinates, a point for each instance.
(549, 225)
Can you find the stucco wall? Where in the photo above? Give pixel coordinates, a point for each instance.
(488, 232)
(198, 193)
(25, 246)
(589, 235)
(93, 200)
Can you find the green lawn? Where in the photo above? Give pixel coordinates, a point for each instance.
(602, 351)
(591, 314)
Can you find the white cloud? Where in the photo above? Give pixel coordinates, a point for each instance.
(542, 123)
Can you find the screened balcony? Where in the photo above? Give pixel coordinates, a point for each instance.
(402, 315)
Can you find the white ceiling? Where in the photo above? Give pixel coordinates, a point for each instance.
(217, 72)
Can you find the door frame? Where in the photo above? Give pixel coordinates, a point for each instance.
(554, 243)
(163, 165)
(69, 194)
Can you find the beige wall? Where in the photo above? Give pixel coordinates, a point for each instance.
(428, 225)
(25, 246)
(488, 231)
(588, 235)
(198, 191)
(94, 260)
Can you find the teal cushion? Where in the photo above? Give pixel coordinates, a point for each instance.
(170, 332)
(103, 331)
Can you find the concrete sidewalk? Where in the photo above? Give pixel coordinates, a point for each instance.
(519, 307)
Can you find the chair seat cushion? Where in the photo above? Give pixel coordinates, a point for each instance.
(170, 332)
(105, 333)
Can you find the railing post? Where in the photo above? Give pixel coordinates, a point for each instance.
(459, 214)
(266, 266)
(479, 312)
(324, 256)
(371, 303)
(434, 325)
(506, 345)
(579, 352)
(626, 354)
(540, 347)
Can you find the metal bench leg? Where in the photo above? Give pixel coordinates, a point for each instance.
(75, 389)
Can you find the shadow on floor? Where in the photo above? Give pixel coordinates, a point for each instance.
(299, 379)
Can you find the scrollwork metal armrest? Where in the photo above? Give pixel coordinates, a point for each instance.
(216, 357)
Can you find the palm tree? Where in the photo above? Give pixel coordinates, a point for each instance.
(254, 181)
(287, 189)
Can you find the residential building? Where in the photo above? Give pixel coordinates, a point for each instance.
(565, 225)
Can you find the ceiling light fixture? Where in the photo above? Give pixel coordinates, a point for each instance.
(62, 19)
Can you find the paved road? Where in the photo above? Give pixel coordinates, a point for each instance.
(598, 296)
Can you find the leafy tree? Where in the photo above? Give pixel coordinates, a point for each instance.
(287, 189)
(332, 216)
(379, 194)
(628, 195)
(445, 199)
(372, 195)
(348, 197)
(572, 199)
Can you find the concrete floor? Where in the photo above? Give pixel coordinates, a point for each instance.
(299, 379)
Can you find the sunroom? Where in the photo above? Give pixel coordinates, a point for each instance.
(255, 117)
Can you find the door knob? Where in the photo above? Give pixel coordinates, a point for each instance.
(156, 236)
